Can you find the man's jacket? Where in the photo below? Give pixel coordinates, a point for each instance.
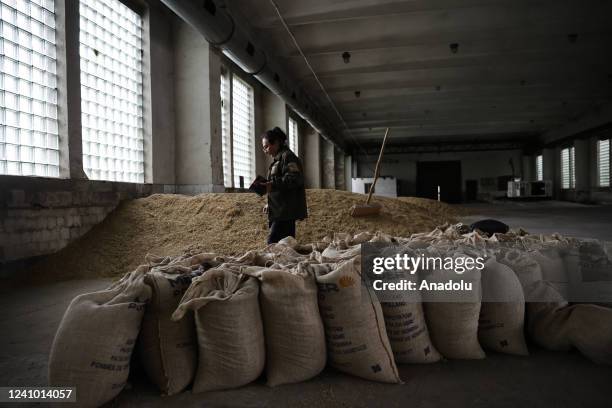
(287, 200)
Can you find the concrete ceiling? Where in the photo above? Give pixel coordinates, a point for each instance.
(522, 67)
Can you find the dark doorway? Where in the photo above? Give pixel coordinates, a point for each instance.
(446, 174)
(471, 190)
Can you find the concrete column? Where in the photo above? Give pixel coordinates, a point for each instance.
(550, 169)
(159, 87)
(198, 116)
(582, 165)
(348, 170)
(327, 161)
(69, 89)
(273, 114)
(311, 157)
(528, 172)
(339, 170)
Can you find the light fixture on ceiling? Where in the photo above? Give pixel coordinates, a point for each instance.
(572, 37)
(438, 87)
(346, 57)
(357, 94)
(364, 114)
(454, 47)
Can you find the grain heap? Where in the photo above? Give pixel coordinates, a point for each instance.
(226, 223)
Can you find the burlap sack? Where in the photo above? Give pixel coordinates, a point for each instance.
(546, 319)
(357, 341)
(229, 329)
(408, 333)
(558, 326)
(590, 331)
(525, 267)
(93, 344)
(550, 259)
(295, 339)
(168, 349)
(453, 325)
(502, 312)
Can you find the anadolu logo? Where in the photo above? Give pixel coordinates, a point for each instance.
(346, 281)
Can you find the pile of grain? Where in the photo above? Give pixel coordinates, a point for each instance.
(225, 223)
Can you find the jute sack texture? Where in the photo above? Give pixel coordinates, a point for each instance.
(294, 335)
(453, 325)
(502, 312)
(168, 349)
(357, 341)
(231, 351)
(94, 342)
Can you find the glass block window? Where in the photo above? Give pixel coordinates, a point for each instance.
(539, 168)
(29, 138)
(111, 91)
(226, 146)
(568, 173)
(293, 136)
(603, 162)
(243, 127)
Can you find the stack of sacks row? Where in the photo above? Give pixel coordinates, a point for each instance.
(203, 319)
(545, 266)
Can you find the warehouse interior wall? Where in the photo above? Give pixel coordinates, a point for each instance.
(485, 167)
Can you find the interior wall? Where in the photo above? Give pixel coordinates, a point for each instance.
(481, 166)
(585, 150)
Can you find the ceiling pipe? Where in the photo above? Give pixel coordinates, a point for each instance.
(221, 30)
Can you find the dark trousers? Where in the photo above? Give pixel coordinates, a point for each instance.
(280, 230)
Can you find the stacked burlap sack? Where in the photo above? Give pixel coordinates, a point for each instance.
(286, 311)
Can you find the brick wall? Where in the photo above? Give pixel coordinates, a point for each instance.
(40, 216)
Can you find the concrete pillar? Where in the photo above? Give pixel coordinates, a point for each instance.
(528, 172)
(69, 89)
(348, 170)
(582, 166)
(160, 149)
(327, 161)
(198, 117)
(273, 114)
(550, 169)
(311, 157)
(339, 170)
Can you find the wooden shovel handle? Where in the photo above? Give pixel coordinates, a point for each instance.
(380, 155)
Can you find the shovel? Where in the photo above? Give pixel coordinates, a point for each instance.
(362, 210)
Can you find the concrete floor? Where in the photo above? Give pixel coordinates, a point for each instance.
(29, 318)
(572, 219)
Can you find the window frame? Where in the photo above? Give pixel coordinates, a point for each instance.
(539, 167)
(230, 74)
(598, 166)
(143, 165)
(53, 146)
(294, 145)
(571, 167)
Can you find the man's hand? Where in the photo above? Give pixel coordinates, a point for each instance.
(265, 209)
